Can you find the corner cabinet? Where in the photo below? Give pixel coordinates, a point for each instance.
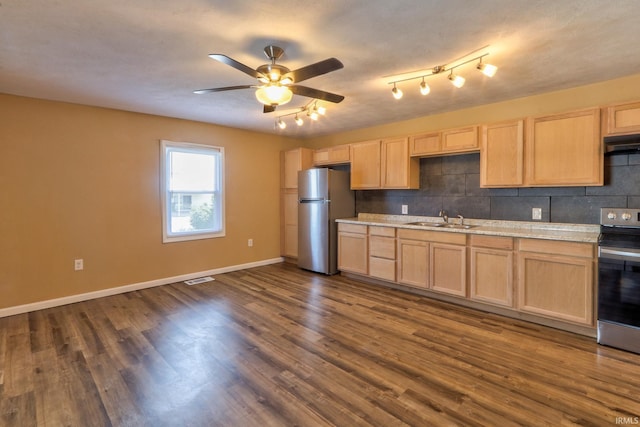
(383, 164)
(564, 149)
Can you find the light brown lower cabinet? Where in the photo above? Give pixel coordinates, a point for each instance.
(546, 278)
(290, 223)
(353, 254)
(555, 279)
(491, 265)
(433, 260)
(413, 261)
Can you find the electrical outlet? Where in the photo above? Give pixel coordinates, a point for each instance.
(405, 209)
(250, 243)
(536, 213)
(78, 264)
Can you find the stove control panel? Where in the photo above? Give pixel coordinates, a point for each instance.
(620, 217)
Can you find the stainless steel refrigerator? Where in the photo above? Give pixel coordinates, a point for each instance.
(324, 196)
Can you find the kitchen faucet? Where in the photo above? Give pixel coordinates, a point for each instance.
(444, 216)
(461, 219)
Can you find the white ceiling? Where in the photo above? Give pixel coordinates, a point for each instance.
(149, 55)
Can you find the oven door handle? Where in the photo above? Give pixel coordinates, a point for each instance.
(605, 252)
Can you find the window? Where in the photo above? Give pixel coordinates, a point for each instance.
(192, 191)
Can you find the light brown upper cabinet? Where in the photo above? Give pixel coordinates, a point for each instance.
(450, 141)
(332, 155)
(366, 160)
(564, 150)
(292, 162)
(502, 154)
(383, 164)
(621, 119)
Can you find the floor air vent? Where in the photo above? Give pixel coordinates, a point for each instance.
(199, 280)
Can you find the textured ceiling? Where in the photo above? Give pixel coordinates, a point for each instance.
(149, 55)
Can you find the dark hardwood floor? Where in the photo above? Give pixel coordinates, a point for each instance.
(278, 346)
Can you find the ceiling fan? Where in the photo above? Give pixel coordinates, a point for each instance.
(276, 83)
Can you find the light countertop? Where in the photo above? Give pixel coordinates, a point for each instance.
(587, 233)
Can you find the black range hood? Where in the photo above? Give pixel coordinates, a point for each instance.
(622, 144)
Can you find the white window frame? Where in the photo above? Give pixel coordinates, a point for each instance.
(165, 148)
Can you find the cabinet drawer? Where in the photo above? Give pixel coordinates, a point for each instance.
(382, 231)
(352, 228)
(584, 250)
(382, 268)
(494, 242)
(382, 247)
(433, 236)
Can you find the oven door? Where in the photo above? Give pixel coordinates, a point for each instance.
(619, 285)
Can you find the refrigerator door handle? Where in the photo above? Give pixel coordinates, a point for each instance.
(314, 200)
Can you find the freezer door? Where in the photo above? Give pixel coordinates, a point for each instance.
(313, 183)
(313, 235)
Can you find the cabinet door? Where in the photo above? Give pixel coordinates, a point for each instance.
(365, 165)
(556, 286)
(502, 155)
(622, 119)
(352, 252)
(398, 169)
(492, 276)
(290, 223)
(459, 140)
(448, 269)
(413, 263)
(332, 155)
(292, 162)
(564, 149)
(424, 144)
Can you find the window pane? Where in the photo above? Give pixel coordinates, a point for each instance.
(193, 212)
(192, 171)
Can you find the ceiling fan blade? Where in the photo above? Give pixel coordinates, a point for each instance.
(315, 93)
(221, 89)
(313, 70)
(235, 64)
(269, 109)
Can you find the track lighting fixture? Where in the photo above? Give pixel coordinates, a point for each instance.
(312, 110)
(457, 80)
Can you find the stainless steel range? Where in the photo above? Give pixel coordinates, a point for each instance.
(619, 279)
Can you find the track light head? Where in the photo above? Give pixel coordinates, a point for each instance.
(488, 70)
(456, 80)
(299, 121)
(397, 93)
(424, 88)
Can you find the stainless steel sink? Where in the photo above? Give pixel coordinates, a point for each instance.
(440, 225)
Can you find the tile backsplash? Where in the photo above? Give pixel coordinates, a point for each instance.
(453, 183)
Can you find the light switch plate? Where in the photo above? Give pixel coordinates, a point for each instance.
(405, 209)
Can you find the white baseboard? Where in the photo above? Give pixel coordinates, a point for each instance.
(25, 308)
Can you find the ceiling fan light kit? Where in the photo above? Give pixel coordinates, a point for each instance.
(276, 83)
(456, 80)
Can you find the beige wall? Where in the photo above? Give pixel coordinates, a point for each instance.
(608, 92)
(83, 182)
